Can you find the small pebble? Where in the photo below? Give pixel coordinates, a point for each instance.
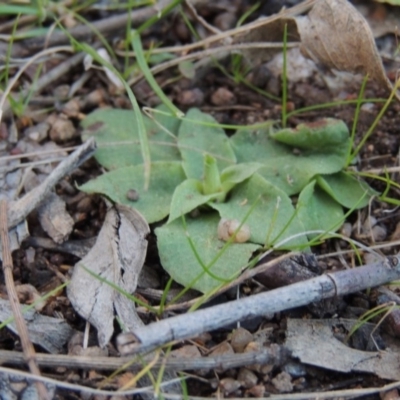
(257, 391)
(225, 21)
(379, 233)
(247, 378)
(62, 129)
(240, 339)
(368, 107)
(132, 195)
(283, 382)
(346, 229)
(222, 97)
(222, 348)
(228, 385)
(296, 370)
(38, 132)
(191, 97)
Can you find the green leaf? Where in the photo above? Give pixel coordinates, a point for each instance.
(272, 218)
(118, 140)
(317, 210)
(154, 203)
(347, 190)
(159, 58)
(321, 136)
(291, 168)
(199, 134)
(235, 174)
(188, 196)
(179, 260)
(187, 69)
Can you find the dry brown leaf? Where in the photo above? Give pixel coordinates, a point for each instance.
(272, 31)
(336, 35)
(313, 342)
(117, 257)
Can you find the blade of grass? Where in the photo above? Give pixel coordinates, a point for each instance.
(377, 119)
(284, 79)
(141, 129)
(162, 13)
(332, 104)
(118, 289)
(356, 118)
(141, 60)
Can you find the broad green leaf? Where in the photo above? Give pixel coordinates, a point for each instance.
(188, 196)
(198, 134)
(392, 2)
(291, 168)
(322, 135)
(118, 142)
(272, 218)
(235, 174)
(317, 210)
(179, 260)
(347, 190)
(187, 69)
(154, 203)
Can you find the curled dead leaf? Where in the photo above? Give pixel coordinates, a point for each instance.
(117, 257)
(336, 35)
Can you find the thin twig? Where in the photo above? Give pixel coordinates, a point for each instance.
(273, 355)
(248, 274)
(299, 294)
(218, 51)
(84, 389)
(3, 107)
(81, 32)
(20, 209)
(27, 346)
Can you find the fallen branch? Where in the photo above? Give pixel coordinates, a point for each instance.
(299, 294)
(273, 355)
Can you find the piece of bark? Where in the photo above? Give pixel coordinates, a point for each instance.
(314, 343)
(54, 218)
(50, 333)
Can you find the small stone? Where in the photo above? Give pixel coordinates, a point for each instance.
(368, 224)
(222, 97)
(132, 195)
(225, 21)
(61, 92)
(368, 107)
(228, 385)
(296, 370)
(379, 233)
(38, 132)
(257, 391)
(72, 108)
(346, 229)
(247, 378)
(62, 128)
(283, 382)
(85, 204)
(187, 351)
(191, 97)
(223, 348)
(240, 339)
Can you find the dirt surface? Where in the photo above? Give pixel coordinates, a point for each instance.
(40, 263)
